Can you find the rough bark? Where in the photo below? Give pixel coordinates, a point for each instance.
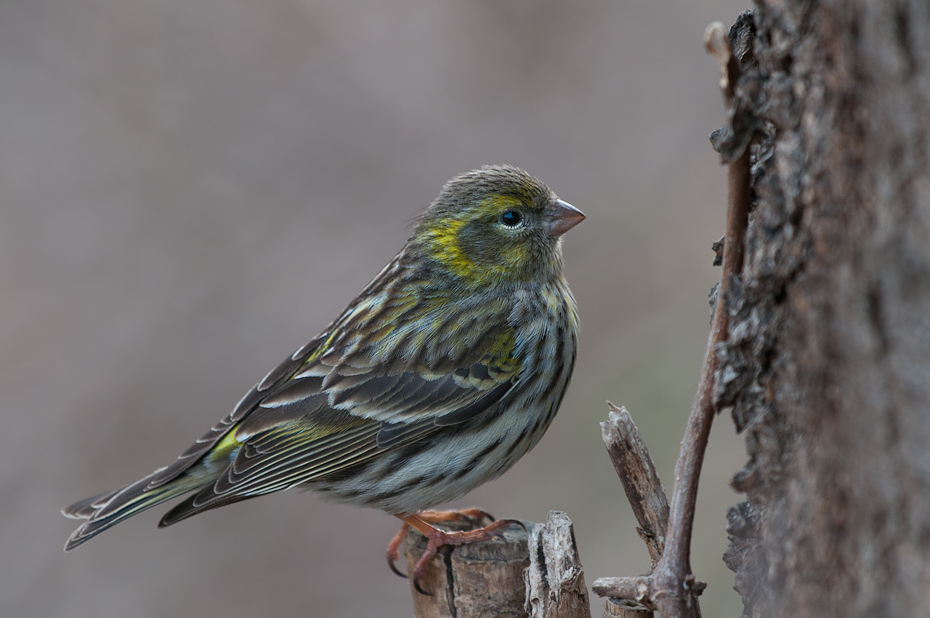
(827, 368)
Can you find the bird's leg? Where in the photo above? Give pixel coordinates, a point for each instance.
(472, 516)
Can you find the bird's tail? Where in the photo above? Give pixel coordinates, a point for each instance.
(106, 510)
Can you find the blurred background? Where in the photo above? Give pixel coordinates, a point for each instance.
(192, 189)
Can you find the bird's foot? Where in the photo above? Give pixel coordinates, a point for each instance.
(436, 538)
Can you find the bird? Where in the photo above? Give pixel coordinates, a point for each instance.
(444, 370)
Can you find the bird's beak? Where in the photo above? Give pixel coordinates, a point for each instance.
(564, 217)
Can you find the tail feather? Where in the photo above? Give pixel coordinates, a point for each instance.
(83, 509)
(107, 510)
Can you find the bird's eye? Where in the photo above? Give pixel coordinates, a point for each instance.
(511, 218)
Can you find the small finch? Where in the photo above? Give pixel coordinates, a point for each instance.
(442, 373)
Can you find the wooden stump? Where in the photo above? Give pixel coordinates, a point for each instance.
(472, 581)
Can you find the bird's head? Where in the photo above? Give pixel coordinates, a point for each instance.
(495, 225)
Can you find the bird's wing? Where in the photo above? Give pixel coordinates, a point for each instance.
(375, 379)
(305, 430)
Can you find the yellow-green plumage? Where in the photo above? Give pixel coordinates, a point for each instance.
(443, 372)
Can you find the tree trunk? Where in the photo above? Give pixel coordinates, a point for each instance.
(827, 368)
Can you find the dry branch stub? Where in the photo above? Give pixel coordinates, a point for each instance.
(637, 473)
(555, 585)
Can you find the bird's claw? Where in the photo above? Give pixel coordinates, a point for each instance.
(416, 585)
(393, 549)
(391, 560)
(515, 522)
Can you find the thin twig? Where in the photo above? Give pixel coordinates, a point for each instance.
(671, 588)
(674, 568)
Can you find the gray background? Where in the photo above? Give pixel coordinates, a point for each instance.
(191, 189)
